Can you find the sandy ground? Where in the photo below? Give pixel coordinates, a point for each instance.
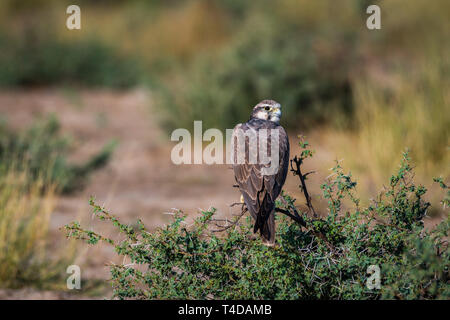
(140, 181)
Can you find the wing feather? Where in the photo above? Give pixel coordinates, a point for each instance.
(260, 192)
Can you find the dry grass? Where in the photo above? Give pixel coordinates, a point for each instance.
(411, 111)
(25, 212)
(410, 115)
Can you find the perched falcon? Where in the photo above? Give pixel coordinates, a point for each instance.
(259, 189)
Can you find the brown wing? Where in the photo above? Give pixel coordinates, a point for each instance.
(260, 192)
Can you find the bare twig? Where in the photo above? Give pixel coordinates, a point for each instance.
(297, 219)
(289, 205)
(235, 204)
(229, 224)
(297, 171)
(302, 222)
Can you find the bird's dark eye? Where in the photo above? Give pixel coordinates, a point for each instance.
(267, 108)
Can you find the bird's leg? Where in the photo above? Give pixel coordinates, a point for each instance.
(241, 199)
(269, 244)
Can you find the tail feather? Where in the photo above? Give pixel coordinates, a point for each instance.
(258, 224)
(266, 228)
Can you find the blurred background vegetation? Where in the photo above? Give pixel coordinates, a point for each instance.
(366, 95)
(213, 60)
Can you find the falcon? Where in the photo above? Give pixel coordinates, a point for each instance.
(259, 186)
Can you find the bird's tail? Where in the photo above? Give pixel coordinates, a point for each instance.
(266, 228)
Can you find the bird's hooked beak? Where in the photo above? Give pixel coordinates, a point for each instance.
(275, 114)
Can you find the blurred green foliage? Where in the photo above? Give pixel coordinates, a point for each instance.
(44, 60)
(308, 56)
(42, 152)
(259, 64)
(214, 60)
(265, 60)
(182, 262)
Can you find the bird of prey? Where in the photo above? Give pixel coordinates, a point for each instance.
(259, 190)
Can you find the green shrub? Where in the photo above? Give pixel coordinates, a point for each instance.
(326, 258)
(42, 152)
(41, 59)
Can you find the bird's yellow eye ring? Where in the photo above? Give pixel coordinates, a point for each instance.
(267, 108)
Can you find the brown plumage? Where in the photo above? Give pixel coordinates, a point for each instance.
(260, 191)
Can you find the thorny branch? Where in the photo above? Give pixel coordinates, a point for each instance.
(297, 218)
(229, 224)
(298, 172)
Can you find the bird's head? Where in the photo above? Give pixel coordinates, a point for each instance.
(267, 110)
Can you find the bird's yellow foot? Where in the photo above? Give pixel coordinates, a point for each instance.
(242, 199)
